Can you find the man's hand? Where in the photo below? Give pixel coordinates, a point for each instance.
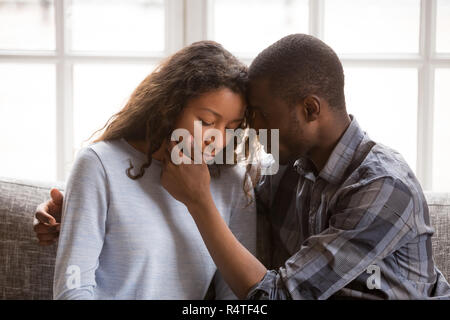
(188, 183)
(48, 217)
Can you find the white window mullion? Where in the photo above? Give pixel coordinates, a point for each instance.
(196, 20)
(426, 94)
(174, 25)
(59, 130)
(316, 18)
(64, 103)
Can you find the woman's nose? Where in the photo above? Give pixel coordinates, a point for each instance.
(219, 142)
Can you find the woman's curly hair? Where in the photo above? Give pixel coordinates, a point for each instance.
(153, 108)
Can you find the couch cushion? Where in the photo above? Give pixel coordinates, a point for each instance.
(26, 269)
(439, 205)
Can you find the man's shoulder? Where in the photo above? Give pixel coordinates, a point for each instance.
(386, 167)
(385, 161)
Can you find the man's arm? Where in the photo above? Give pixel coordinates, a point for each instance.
(240, 269)
(243, 226)
(190, 184)
(369, 225)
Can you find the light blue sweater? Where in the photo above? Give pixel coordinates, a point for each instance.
(130, 239)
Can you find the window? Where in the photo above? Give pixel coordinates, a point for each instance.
(27, 25)
(78, 69)
(379, 98)
(21, 120)
(396, 57)
(441, 151)
(64, 71)
(258, 23)
(443, 26)
(372, 26)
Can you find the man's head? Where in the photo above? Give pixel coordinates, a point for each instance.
(297, 86)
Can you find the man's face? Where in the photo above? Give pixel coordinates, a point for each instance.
(272, 112)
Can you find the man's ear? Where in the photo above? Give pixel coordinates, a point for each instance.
(312, 107)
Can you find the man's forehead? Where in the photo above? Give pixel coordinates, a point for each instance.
(259, 89)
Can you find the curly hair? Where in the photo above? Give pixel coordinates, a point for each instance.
(154, 106)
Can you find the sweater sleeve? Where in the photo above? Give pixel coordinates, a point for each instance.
(82, 228)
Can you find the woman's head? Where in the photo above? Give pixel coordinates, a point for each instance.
(201, 82)
(220, 109)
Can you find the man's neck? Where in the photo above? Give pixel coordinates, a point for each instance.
(332, 133)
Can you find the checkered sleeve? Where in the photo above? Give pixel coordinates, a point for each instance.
(368, 223)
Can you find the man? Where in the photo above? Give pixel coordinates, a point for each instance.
(348, 219)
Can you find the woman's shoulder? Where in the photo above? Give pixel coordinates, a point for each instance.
(96, 156)
(116, 151)
(98, 160)
(105, 148)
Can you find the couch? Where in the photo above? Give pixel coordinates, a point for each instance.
(26, 269)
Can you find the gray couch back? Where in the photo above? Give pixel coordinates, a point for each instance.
(26, 269)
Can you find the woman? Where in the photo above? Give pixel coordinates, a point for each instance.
(122, 235)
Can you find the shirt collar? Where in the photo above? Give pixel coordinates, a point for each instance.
(340, 158)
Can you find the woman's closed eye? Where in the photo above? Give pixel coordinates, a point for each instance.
(235, 127)
(206, 124)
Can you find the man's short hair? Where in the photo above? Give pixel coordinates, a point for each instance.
(299, 65)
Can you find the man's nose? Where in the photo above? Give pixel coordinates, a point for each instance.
(258, 123)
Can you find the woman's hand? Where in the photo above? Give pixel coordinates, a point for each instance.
(189, 183)
(186, 182)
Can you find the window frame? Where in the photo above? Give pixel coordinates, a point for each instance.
(64, 61)
(188, 21)
(425, 62)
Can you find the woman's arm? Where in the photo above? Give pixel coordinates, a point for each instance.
(82, 228)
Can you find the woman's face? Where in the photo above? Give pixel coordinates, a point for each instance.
(220, 109)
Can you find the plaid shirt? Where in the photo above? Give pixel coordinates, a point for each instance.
(360, 228)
